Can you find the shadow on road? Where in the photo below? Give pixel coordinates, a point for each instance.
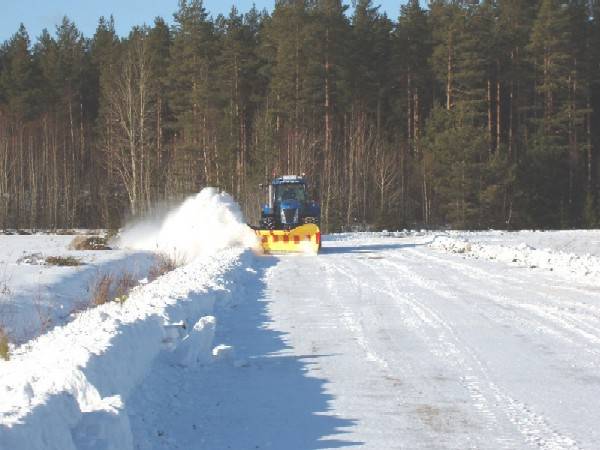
(259, 398)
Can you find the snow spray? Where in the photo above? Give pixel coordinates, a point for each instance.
(203, 224)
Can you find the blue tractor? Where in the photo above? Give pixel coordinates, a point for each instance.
(288, 205)
(289, 220)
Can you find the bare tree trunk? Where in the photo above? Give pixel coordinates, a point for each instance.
(498, 115)
(328, 132)
(450, 75)
(490, 115)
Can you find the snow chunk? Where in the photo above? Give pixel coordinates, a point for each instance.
(223, 351)
(196, 346)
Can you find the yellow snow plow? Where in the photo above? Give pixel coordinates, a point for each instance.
(302, 239)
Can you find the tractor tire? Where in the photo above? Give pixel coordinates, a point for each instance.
(267, 223)
(311, 220)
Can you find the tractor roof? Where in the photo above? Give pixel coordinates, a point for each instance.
(289, 179)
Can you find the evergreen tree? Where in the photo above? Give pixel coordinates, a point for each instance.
(158, 47)
(192, 97)
(454, 151)
(237, 62)
(414, 97)
(559, 114)
(18, 78)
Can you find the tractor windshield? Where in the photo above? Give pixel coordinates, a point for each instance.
(294, 191)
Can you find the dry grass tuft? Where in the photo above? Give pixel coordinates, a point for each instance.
(69, 261)
(107, 288)
(4, 280)
(4, 348)
(89, 243)
(124, 284)
(65, 232)
(164, 263)
(101, 290)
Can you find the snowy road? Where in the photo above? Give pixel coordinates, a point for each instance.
(386, 343)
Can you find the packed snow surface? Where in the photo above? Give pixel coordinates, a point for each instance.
(204, 224)
(409, 340)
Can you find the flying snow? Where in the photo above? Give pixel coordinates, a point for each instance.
(201, 225)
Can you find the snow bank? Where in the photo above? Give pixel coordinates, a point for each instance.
(585, 267)
(68, 389)
(201, 225)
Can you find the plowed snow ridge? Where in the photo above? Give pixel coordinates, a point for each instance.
(66, 389)
(585, 267)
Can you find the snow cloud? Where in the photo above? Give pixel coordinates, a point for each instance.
(203, 224)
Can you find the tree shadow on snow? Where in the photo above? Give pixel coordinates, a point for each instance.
(258, 398)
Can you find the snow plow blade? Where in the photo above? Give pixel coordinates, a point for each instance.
(302, 239)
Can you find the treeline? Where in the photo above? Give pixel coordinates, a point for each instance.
(463, 114)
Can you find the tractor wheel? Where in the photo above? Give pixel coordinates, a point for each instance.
(267, 223)
(311, 220)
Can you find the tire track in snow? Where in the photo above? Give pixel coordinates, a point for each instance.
(503, 280)
(402, 399)
(565, 323)
(440, 347)
(533, 426)
(350, 321)
(413, 398)
(447, 349)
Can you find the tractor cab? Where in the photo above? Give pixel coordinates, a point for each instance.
(288, 204)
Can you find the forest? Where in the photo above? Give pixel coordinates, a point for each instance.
(461, 114)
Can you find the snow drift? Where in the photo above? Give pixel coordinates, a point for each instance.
(584, 267)
(203, 224)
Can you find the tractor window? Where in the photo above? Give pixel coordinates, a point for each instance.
(290, 192)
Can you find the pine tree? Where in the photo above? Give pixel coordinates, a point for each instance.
(19, 83)
(18, 77)
(412, 55)
(559, 114)
(191, 80)
(329, 75)
(414, 97)
(453, 149)
(105, 54)
(237, 61)
(158, 47)
(371, 117)
(286, 48)
(593, 120)
(514, 24)
(447, 24)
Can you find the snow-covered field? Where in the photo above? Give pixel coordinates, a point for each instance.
(450, 340)
(36, 296)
